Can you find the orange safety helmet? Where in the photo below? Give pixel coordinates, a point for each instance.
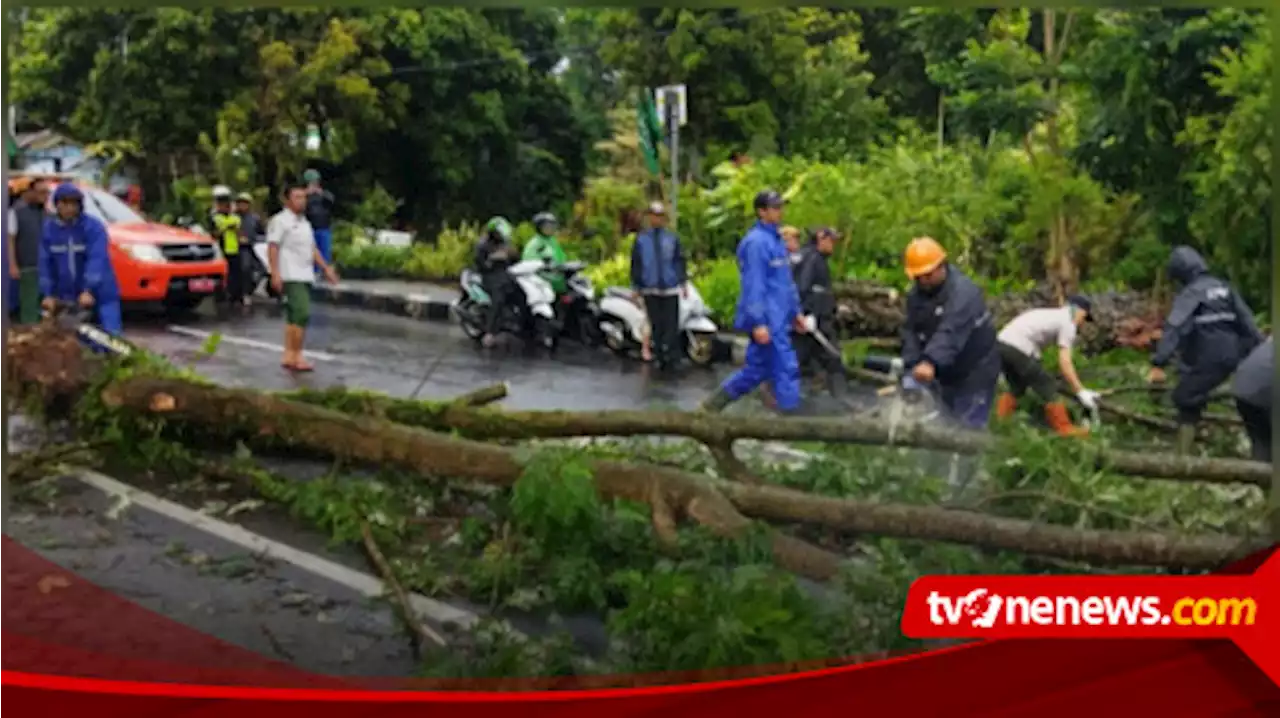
(923, 255)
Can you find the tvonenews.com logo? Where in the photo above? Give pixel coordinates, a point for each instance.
(981, 608)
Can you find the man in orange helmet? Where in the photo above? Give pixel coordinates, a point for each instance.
(948, 337)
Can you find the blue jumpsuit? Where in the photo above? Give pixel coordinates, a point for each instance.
(74, 258)
(768, 298)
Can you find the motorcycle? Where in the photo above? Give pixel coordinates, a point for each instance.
(623, 322)
(535, 321)
(577, 313)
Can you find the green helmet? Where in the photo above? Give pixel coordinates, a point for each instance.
(499, 225)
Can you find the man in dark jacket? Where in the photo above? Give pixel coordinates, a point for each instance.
(1211, 330)
(1252, 387)
(818, 304)
(320, 214)
(495, 253)
(768, 308)
(252, 231)
(948, 336)
(658, 273)
(26, 225)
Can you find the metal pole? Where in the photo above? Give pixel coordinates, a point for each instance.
(673, 121)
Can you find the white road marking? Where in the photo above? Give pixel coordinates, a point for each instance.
(246, 342)
(128, 497)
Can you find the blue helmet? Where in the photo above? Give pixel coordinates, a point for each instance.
(69, 191)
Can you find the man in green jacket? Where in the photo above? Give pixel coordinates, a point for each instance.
(546, 248)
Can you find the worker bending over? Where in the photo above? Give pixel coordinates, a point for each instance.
(1020, 345)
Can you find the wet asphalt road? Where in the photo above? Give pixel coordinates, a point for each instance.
(416, 359)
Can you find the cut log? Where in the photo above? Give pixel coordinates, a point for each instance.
(254, 416)
(719, 430)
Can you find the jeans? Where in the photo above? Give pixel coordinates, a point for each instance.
(324, 244)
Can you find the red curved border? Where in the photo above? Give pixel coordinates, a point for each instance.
(209, 677)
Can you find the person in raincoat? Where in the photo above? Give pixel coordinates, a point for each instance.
(769, 309)
(949, 339)
(75, 261)
(1210, 329)
(1252, 388)
(494, 255)
(544, 247)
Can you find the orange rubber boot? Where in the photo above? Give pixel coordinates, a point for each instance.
(1006, 405)
(1060, 420)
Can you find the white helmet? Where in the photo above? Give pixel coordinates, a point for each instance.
(221, 191)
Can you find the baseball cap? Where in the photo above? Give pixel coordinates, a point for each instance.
(769, 199)
(1081, 302)
(657, 208)
(828, 231)
(310, 176)
(244, 197)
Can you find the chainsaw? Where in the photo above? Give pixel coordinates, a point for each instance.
(78, 319)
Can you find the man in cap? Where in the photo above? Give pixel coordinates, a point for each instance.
(226, 228)
(659, 275)
(75, 261)
(26, 225)
(948, 337)
(1211, 330)
(1020, 345)
(320, 214)
(818, 303)
(252, 232)
(768, 308)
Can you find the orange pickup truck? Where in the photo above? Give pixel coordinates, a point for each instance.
(153, 262)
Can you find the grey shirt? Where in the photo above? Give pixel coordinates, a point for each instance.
(1256, 375)
(27, 223)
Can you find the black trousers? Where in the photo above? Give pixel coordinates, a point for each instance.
(1195, 384)
(809, 354)
(1257, 424)
(664, 321)
(235, 279)
(502, 291)
(1022, 372)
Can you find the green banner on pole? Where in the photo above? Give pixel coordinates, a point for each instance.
(650, 131)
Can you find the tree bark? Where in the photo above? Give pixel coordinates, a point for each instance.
(717, 431)
(721, 506)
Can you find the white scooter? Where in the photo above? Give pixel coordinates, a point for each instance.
(259, 272)
(473, 305)
(624, 323)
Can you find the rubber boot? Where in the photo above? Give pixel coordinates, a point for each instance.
(1060, 420)
(837, 384)
(1006, 405)
(715, 403)
(1186, 438)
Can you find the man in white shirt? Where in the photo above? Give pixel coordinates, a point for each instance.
(291, 249)
(1020, 345)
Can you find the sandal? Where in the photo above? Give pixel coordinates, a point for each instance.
(302, 367)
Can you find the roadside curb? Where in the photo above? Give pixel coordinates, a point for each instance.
(424, 307)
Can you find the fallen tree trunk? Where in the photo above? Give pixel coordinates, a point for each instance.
(717, 431)
(255, 415)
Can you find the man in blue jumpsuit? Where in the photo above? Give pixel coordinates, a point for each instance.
(768, 308)
(1210, 329)
(75, 263)
(948, 338)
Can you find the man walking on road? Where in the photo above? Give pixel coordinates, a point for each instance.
(1020, 344)
(291, 247)
(768, 308)
(659, 274)
(26, 225)
(948, 337)
(813, 282)
(320, 215)
(75, 261)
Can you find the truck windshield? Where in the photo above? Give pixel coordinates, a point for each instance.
(106, 207)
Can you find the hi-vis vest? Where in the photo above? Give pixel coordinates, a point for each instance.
(227, 227)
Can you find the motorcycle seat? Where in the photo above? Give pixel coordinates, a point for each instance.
(619, 293)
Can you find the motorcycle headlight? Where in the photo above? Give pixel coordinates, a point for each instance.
(149, 253)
